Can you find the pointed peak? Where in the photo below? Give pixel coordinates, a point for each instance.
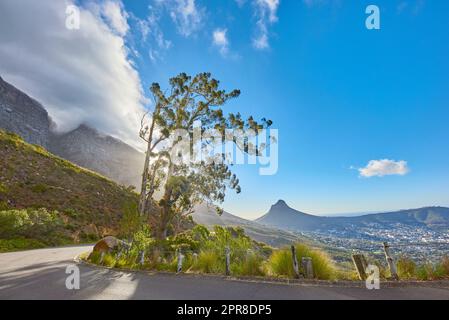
(281, 203)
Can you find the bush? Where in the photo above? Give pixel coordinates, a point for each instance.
(425, 272)
(406, 268)
(281, 263)
(3, 189)
(252, 265)
(34, 223)
(109, 260)
(209, 261)
(11, 245)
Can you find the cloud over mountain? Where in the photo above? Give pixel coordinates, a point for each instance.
(80, 76)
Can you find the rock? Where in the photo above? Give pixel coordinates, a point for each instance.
(23, 115)
(109, 244)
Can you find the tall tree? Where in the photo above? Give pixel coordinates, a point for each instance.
(191, 105)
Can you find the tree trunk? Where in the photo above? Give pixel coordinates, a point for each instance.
(143, 190)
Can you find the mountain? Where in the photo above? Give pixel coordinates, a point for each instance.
(282, 216)
(83, 146)
(23, 115)
(101, 153)
(275, 237)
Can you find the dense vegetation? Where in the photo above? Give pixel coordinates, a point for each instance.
(41, 190)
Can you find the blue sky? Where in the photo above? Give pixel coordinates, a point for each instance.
(339, 94)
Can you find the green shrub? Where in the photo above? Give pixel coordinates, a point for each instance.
(109, 260)
(95, 257)
(3, 189)
(14, 223)
(10, 245)
(252, 265)
(209, 261)
(39, 188)
(425, 272)
(406, 268)
(281, 262)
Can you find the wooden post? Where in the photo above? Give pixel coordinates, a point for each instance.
(228, 261)
(360, 264)
(390, 261)
(142, 257)
(101, 257)
(180, 258)
(295, 262)
(307, 267)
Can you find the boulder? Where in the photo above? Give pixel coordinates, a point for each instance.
(109, 244)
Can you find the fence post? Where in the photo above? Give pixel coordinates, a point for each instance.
(390, 261)
(101, 257)
(142, 257)
(307, 266)
(360, 264)
(180, 258)
(295, 262)
(228, 260)
(119, 254)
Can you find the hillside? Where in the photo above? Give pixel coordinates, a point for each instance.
(84, 146)
(30, 177)
(101, 153)
(269, 235)
(282, 216)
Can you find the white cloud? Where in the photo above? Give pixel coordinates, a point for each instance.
(150, 30)
(116, 16)
(221, 41)
(266, 13)
(384, 167)
(187, 16)
(80, 76)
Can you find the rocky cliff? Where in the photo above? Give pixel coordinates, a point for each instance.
(23, 115)
(101, 153)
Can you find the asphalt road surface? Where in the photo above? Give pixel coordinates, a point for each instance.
(41, 274)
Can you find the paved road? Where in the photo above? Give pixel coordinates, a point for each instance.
(40, 274)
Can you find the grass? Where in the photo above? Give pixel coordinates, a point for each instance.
(281, 263)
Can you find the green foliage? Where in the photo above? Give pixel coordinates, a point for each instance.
(82, 197)
(209, 261)
(250, 265)
(425, 272)
(95, 257)
(142, 239)
(406, 268)
(39, 188)
(10, 245)
(281, 262)
(39, 224)
(3, 188)
(109, 260)
(190, 100)
(131, 220)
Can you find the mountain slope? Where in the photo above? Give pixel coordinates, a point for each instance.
(84, 146)
(101, 153)
(31, 177)
(272, 236)
(282, 216)
(23, 115)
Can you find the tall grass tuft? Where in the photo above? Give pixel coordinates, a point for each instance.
(406, 268)
(281, 263)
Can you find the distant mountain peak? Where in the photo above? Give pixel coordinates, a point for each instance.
(281, 203)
